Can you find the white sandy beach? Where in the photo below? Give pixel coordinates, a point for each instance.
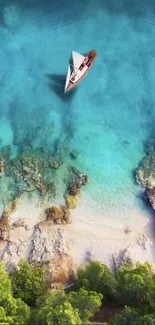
(86, 235)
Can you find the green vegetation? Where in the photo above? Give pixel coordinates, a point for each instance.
(12, 311)
(97, 277)
(136, 286)
(28, 283)
(26, 300)
(132, 317)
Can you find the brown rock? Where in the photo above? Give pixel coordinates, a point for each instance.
(20, 223)
(4, 227)
(58, 215)
(74, 188)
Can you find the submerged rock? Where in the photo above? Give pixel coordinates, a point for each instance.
(74, 188)
(73, 154)
(1, 167)
(55, 162)
(76, 182)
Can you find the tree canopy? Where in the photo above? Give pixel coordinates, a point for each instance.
(12, 311)
(29, 282)
(136, 286)
(97, 277)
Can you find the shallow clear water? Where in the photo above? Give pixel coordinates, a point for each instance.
(108, 116)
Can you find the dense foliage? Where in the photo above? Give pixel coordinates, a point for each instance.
(28, 282)
(26, 300)
(136, 286)
(97, 277)
(132, 317)
(12, 311)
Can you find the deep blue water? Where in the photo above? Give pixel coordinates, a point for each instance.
(109, 115)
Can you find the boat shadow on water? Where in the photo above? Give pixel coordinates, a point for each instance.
(56, 84)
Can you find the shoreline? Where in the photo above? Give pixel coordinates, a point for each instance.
(85, 239)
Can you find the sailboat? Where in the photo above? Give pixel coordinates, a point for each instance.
(78, 68)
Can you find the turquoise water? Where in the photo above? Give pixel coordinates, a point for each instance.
(109, 115)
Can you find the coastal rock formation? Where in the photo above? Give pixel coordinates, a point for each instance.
(12, 206)
(14, 252)
(49, 244)
(142, 241)
(71, 201)
(76, 182)
(123, 257)
(151, 196)
(1, 167)
(145, 174)
(4, 226)
(58, 215)
(20, 223)
(29, 173)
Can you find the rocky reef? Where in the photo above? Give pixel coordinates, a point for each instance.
(76, 181)
(36, 171)
(145, 173)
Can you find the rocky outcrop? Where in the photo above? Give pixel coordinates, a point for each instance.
(145, 173)
(151, 196)
(143, 241)
(71, 201)
(4, 227)
(20, 223)
(1, 167)
(49, 244)
(123, 257)
(75, 184)
(14, 252)
(58, 215)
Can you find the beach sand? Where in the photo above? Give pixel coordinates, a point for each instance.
(87, 238)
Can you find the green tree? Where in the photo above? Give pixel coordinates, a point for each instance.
(73, 308)
(5, 283)
(12, 311)
(97, 277)
(29, 283)
(53, 300)
(64, 314)
(87, 302)
(147, 320)
(131, 317)
(16, 311)
(127, 317)
(135, 285)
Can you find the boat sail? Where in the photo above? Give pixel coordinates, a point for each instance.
(78, 68)
(77, 59)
